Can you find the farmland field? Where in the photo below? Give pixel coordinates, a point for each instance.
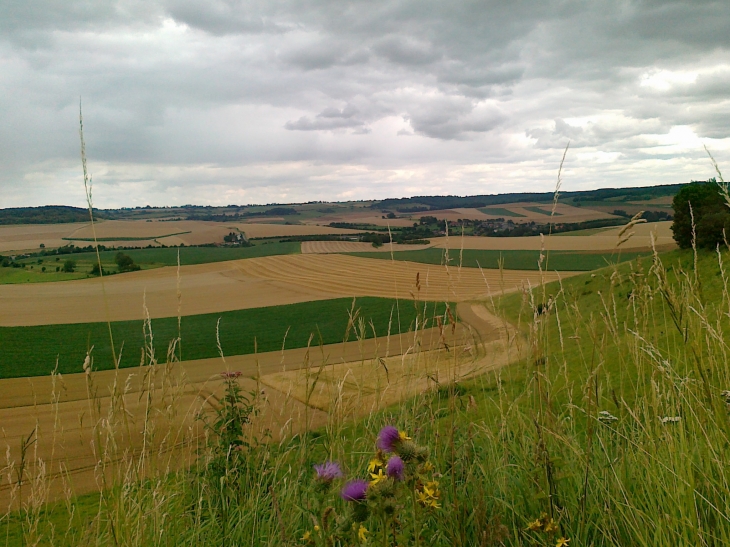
(44, 269)
(499, 212)
(196, 255)
(543, 211)
(271, 328)
(317, 247)
(604, 240)
(243, 284)
(142, 233)
(513, 260)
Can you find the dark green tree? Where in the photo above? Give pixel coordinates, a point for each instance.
(711, 215)
(69, 265)
(125, 263)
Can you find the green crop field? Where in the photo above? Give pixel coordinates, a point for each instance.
(23, 275)
(197, 255)
(513, 260)
(32, 351)
(500, 212)
(542, 211)
(155, 257)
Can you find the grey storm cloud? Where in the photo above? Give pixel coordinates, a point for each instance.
(224, 101)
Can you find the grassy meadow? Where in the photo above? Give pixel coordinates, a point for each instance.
(614, 430)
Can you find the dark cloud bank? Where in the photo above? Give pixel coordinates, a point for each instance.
(217, 101)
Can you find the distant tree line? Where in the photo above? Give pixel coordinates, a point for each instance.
(227, 217)
(450, 202)
(48, 214)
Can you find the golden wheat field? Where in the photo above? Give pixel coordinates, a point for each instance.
(22, 237)
(249, 283)
(605, 240)
(563, 213)
(141, 233)
(58, 409)
(320, 247)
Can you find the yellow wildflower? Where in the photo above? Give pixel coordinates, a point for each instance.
(306, 535)
(362, 534)
(377, 477)
(428, 495)
(403, 436)
(427, 467)
(551, 527)
(374, 464)
(316, 528)
(562, 542)
(535, 526)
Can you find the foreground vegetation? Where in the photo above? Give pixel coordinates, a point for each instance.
(614, 431)
(38, 350)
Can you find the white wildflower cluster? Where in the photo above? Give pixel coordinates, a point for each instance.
(670, 419)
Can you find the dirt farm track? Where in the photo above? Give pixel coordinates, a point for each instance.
(249, 283)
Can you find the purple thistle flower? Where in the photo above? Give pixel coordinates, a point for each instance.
(395, 468)
(328, 471)
(354, 490)
(388, 438)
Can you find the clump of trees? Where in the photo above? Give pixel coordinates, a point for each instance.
(125, 263)
(703, 202)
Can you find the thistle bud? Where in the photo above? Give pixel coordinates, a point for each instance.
(422, 453)
(407, 450)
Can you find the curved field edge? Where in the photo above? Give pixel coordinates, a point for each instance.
(38, 350)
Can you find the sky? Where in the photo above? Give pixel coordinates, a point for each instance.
(222, 102)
